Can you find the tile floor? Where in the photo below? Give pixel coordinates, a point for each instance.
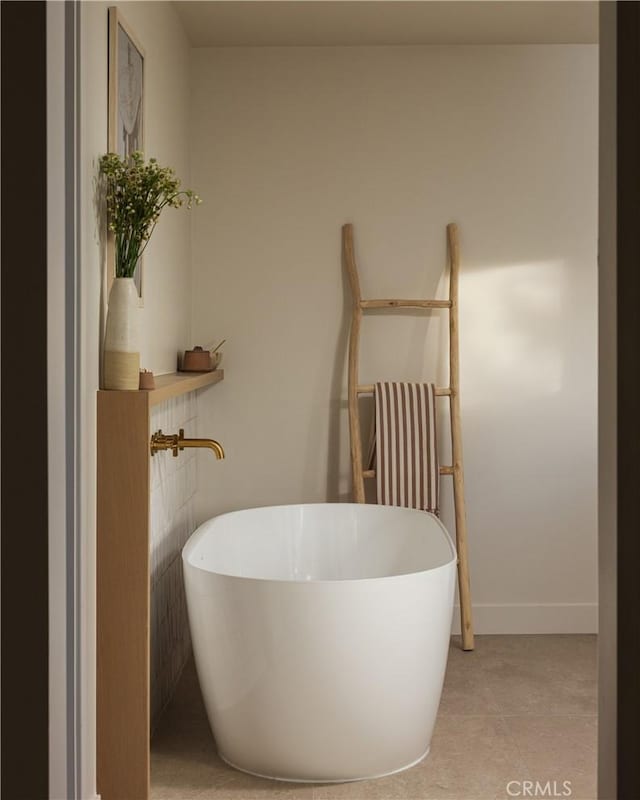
(517, 708)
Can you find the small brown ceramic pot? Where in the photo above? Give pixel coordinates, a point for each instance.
(147, 380)
(196, 360)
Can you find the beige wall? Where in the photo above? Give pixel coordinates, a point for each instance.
(166, 314)
(289, 143)
(167, 302)
(165, 317)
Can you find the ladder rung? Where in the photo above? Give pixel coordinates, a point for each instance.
(371, 473)
(367, 388)
(405, 304)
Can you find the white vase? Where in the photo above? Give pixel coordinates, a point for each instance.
(122, 337)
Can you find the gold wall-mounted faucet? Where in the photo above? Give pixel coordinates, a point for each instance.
(176, 441)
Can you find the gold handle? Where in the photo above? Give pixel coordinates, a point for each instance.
(163, 441)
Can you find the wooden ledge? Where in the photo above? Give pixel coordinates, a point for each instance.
(175, 384)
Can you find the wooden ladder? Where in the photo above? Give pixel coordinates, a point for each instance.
(452, 392)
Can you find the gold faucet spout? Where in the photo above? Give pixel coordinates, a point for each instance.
(210, 443)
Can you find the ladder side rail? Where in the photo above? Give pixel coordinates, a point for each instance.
(354, 345)
(464, 587)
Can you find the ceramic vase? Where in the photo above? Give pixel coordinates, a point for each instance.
(122, 337)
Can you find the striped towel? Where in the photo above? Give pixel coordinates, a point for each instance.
(404, 451)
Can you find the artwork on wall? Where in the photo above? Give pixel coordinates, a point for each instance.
(126, 104)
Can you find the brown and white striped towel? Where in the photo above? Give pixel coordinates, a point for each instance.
(404, 452)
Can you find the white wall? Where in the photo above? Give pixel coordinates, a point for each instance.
(165, 317)
(167, 289)
(288, 144)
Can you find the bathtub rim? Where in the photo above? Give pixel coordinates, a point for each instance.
(200, 532)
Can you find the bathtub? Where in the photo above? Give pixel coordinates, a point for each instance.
(320, 635)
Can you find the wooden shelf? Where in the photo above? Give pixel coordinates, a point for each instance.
(173, 385)
(177, 383)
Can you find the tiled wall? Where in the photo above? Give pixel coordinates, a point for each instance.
(173, 486)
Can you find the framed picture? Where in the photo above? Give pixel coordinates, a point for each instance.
(126, 106)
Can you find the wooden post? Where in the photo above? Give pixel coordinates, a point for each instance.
(464, 587)
(123, 596)
(123, 601)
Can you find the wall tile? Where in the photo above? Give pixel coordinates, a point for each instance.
(173, 489)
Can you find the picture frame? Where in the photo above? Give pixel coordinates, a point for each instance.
(126, 110)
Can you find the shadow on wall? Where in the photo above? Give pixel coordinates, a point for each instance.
(515, 347)
(513, 331)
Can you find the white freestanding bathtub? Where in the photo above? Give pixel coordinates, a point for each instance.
(321, 635)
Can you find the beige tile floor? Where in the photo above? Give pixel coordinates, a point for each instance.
(517, 708)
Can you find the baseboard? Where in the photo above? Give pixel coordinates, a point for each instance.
(532, 618)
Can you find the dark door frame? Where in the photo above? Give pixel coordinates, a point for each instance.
(25, 562)
(627, 175)
(42, 659)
